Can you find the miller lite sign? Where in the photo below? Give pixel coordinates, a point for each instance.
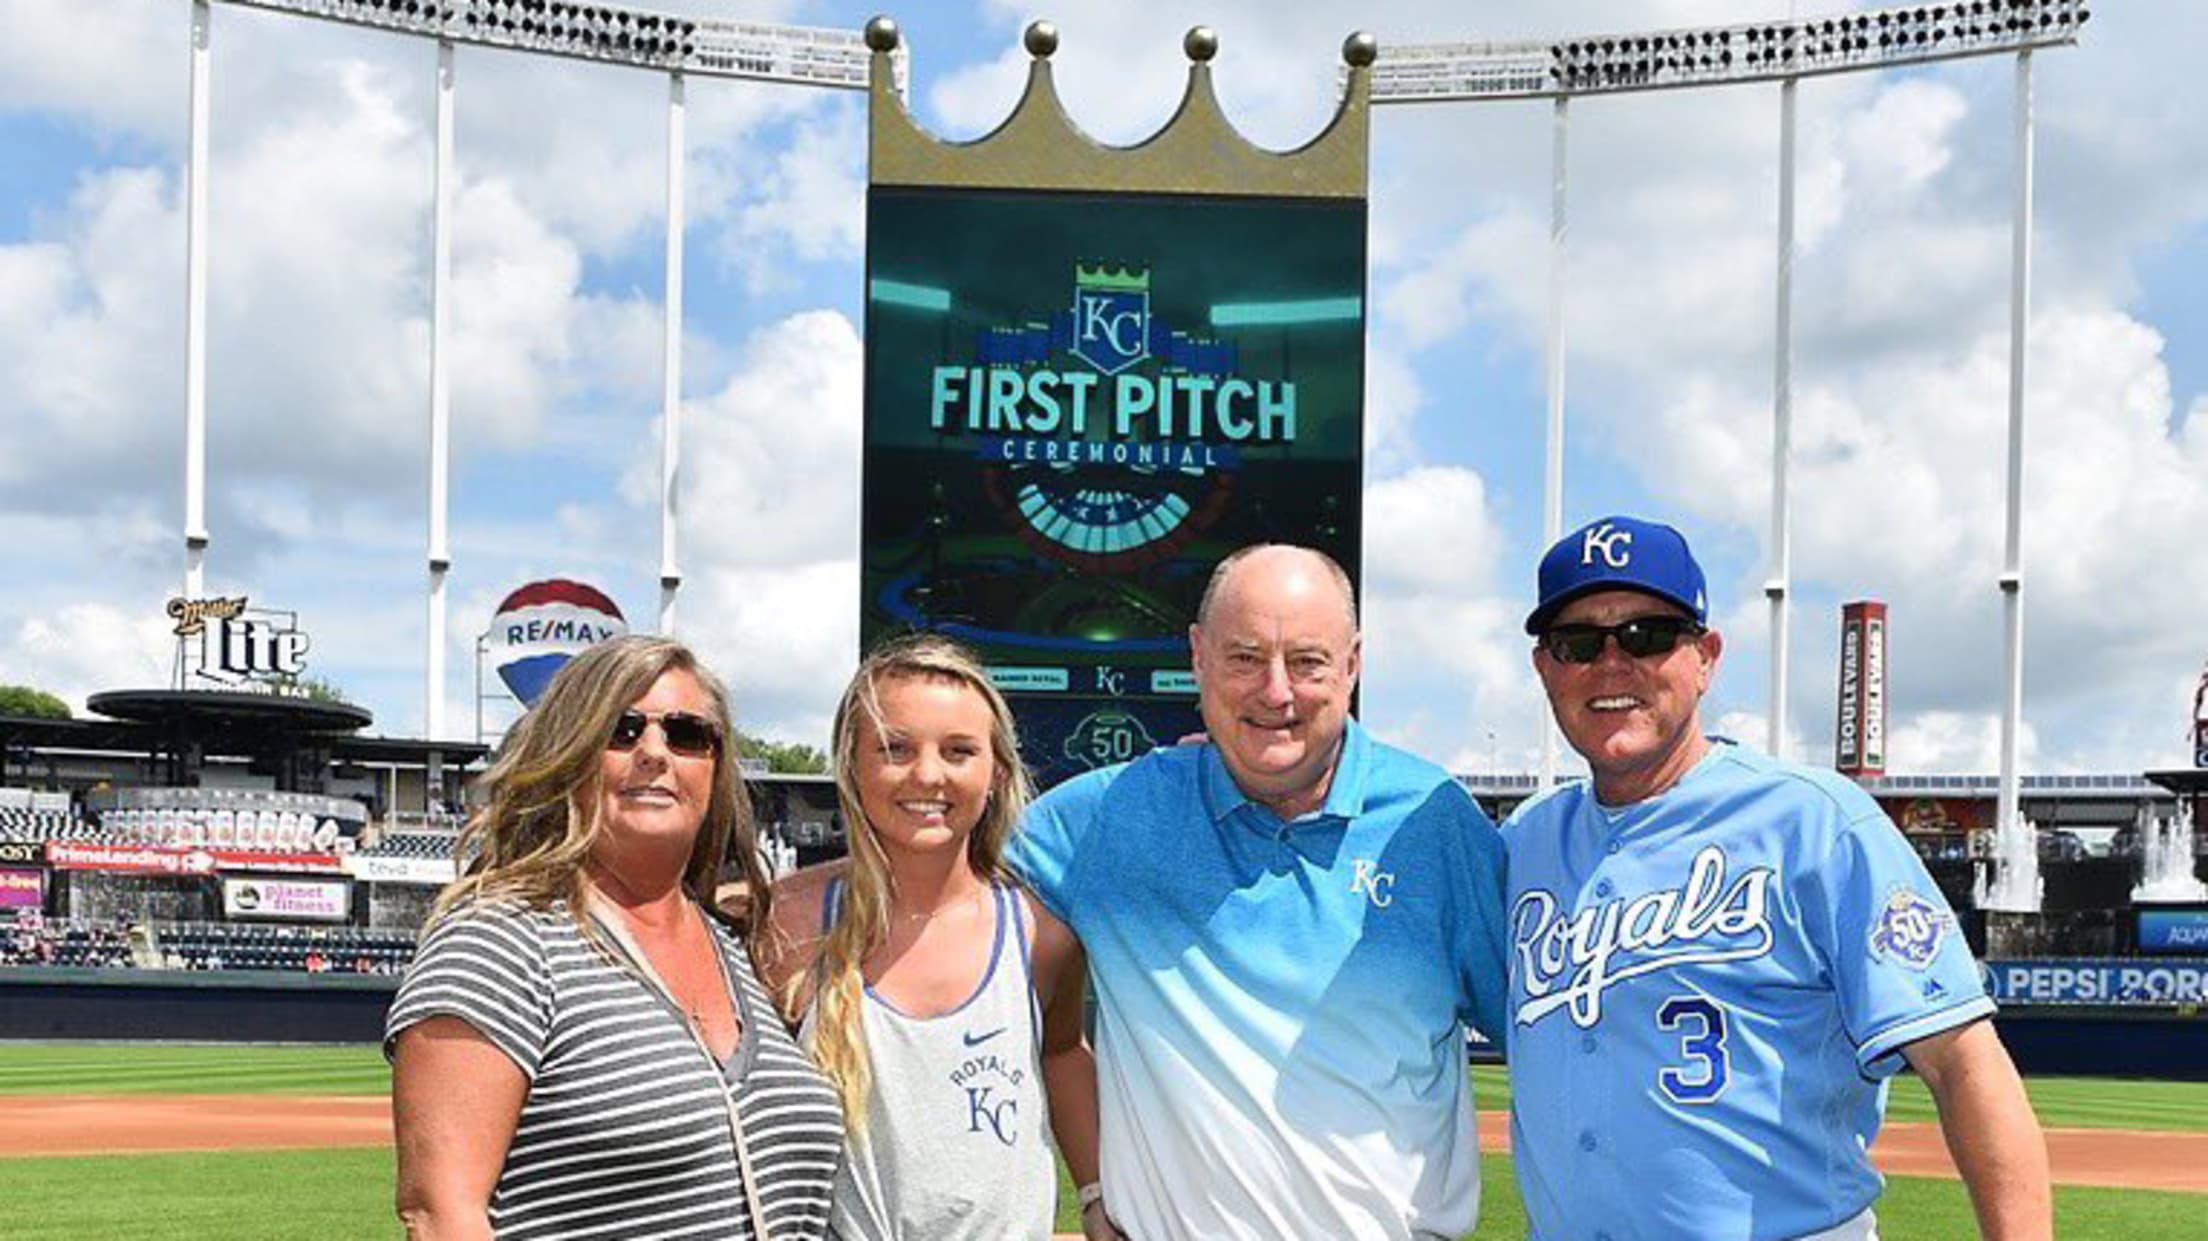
(222, 643)
(1859, 743)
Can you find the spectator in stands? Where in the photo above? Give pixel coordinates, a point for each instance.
(917, 956)
(571, 992)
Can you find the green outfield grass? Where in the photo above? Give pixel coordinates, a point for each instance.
(338, 1194)
(2062, 1102)
(137, 1068)
(347, 1193)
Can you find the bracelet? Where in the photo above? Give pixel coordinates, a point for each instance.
(1090, 1194)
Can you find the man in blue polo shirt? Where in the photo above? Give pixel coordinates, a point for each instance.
(1289, 928)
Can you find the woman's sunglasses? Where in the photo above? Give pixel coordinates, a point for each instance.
(1640, 637)
(692, 736)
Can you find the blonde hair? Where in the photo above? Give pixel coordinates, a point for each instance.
(532, 837)
(838, 1043)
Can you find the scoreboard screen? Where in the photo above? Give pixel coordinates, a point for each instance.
(1076, 405)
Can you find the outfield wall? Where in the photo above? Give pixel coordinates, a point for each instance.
(219, 1007)
(270, 1007)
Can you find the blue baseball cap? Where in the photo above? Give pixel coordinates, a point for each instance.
(1620, 553)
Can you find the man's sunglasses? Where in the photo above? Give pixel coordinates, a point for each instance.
(1640, 637)
(692, 736)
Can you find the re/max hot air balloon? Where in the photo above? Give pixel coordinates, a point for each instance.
(542, 625)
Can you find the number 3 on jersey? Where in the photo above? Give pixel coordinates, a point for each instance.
(1700, 1023)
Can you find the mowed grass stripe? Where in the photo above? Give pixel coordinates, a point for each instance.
(47, 1068)
(273, 1195)
(312, 1195)
(78, 1068)
(2062, 1102)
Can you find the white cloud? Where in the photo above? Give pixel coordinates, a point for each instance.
(770, 462)
(784, 638)
(86, 648)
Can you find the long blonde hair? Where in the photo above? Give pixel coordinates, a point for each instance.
(531, 839)
(862, 916)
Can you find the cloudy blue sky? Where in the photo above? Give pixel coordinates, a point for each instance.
(318, 369)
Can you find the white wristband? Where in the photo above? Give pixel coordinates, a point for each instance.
(1090, 1194)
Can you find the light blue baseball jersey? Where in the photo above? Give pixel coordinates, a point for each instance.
(1708, 991)
(1280, 1040)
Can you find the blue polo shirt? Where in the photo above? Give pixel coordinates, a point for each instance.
(1282, 1005)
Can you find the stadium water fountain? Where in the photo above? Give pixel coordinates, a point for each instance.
(2009, 881)
(2167, 846)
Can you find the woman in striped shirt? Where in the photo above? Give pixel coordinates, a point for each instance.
(579, 1050)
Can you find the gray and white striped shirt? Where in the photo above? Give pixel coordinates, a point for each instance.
(625, 1131)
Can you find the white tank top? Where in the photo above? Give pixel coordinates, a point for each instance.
(957, 1144)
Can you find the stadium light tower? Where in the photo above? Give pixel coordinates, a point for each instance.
(676, 45)
(1781, 51)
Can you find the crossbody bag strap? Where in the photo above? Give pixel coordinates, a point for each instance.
(743, 1169)
(638, 963)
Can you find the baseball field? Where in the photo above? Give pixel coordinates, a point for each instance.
(190, 1143)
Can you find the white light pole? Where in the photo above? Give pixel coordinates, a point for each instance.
(2007, 815)
(1780, 553)
(1552, 469)
(440, 395)
(195, 312)
(670, 419)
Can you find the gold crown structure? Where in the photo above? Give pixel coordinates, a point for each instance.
(1039, 147)
(1122, 279)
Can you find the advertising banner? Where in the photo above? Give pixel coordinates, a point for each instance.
(2097, 981)
(136, 859)
(22, 852)
(300, 900)
(22, 887)
(1076, 405)
(2176, 932)
(1859, 739)
(435, 872)
(541, 626)
(165, 860)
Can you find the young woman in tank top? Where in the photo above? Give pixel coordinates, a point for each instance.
(942, 1002)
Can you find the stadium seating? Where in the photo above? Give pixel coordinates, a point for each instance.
(44, 825)
(253, 946)
(410, 845)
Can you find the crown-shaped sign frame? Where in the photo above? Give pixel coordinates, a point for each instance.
(1199, 151)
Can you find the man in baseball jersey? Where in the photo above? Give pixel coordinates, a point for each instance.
(1289, 927)
(1718, 958)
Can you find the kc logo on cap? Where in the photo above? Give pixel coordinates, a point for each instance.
(1620, 553)
(1604, 539)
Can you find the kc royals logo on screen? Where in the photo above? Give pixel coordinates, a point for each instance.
(1909, 929)
(1111, 317)
(1189, 409)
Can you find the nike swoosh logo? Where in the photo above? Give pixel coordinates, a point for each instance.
(976, 1040)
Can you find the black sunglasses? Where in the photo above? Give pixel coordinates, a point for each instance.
(692, 736)
(1640, 637)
